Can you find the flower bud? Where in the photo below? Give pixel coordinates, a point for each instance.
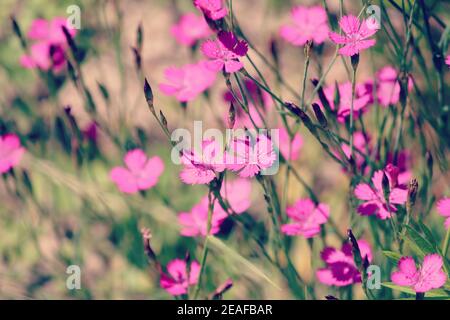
(319, 115)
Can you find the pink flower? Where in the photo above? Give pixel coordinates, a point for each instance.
(201, 166)
(237, 193)
(140, 173)
(360, 143)
(11, 152)
(401, 168)
(290, 149)
(189, 29)
(249, 156)
(187, 82)
(195, 222)
(447, 60)
(177, 281)
(373, 196)
(443, 207)
(224, 52)
(355, 36)
(257, 95)
(363, 97)
(309, 24)
(388, 90)
(341, 269)
(429, 276)
(213, 9)
(48, 50)
(307, 217)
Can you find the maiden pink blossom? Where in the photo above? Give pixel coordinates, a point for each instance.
(447, 60)
(356, 35)
(443, 207)
(388, 89)
(237, 193)
(374, 198)
(11, 152)
(307, 218)
(189, 29)
(224, 52)
(429, 276)
(309, 24)
(290, 149)
(139, 173)
(341, 269)
(213, 9)
(361, 145)
(177, 280)
(187, 82)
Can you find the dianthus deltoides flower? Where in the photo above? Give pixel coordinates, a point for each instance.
(11, 152)
(213, 9)
(139, 173)
(49, 44)
(187, 82)
(224, 52)
(447, 60)
(374, 197)
(307, 218)
(341, 269)
(388, 86)
(290, 149)
(356, 35)
(443, 207)
(309, 24)
(177, 280)
(425, 278)
(190, 28)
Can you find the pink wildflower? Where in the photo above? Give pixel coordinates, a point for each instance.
(237, 193)
(443, 207)
(373, 196)
(309, 24)
(213, 9)
(388, 90)
(341, 269)
(447, 60)
(429, 276)
(257, 95)
(177, 281)
(201, 166)
(360, 143)
(189, 29)
(290, 149)
(401, 168)
(307, 218)
(249, 156)
(224, 52)
(140, 173)
(187, 82)
(11, 152)
(356, 34)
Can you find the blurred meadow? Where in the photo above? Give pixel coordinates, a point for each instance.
(60, 207)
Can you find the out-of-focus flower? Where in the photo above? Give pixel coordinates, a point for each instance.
(309, 24)
(91, 131)
(307, 218)
(290, 149)
(363, 97)
(48, 50)
(189, 29)
(195, 222)
(341, 269)
(11, 152)
(224, 52)
(248, 156)
(213, 9)
(374, 198)
(187, 82)
(429, 276)
(237, 193)
(443, 207)
(447, 60)
(257, 95)
(360, 143)
(139, 173)
(177, 280)
(201, 166)
(388, 89)
(356, 35)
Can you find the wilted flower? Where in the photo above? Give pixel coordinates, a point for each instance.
(443, 207)
(341, 269)
(187, 82)
(290, 149)
(307, 218)
(213, 9)
(309, 24)
(140, 172)
(355, 37)
(388, 86)
(177, 280)
(189, 29)
(11, 152)
(429, 276)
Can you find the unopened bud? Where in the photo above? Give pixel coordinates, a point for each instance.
(319, 115)
(355, 61)
(163, 119)
(149, 95)
(386, 186)
(412, 193)
(231, 116)
(218, 293)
